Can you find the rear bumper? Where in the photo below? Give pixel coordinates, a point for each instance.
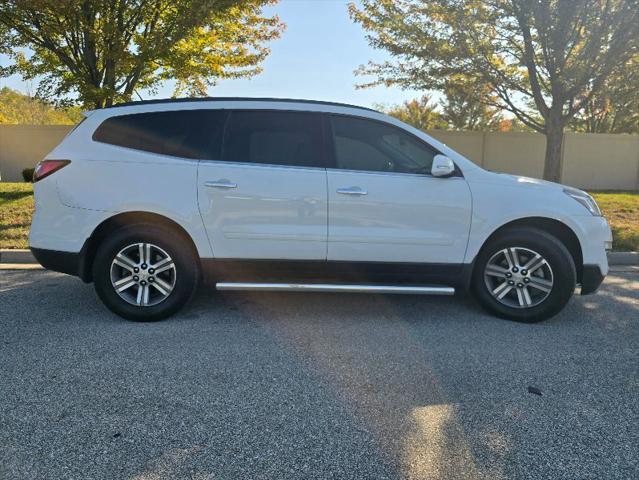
(591, 279)
(64, 262)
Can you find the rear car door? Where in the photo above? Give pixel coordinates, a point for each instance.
(264, 196)
(384, 206)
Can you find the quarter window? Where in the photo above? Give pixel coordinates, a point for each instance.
(273, 137)
(192, 134)
(374, 146)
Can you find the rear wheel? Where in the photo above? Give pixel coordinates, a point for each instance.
(145, 272)
(524, 274)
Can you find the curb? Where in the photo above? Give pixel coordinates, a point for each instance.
(25, 256)
(16, 256)
(623, 258)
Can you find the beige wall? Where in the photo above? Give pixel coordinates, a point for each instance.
(592, 161)
(601, 162)
(23, 146)
(518, 153)
(469, 144)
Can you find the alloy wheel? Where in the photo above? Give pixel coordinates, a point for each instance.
(143, 274)
(518, 277)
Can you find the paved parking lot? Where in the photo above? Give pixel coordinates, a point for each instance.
(300, 386)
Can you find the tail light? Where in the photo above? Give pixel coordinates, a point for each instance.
(47, 167)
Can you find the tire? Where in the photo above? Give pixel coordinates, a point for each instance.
(548, 287)
(177, 272)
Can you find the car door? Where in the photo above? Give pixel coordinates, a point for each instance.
(384, 206)
(266, 197)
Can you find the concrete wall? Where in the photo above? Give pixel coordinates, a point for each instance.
(589, 160)
(23, 146)
(601, 161)
(592, 161)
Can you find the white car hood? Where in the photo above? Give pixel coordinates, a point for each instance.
(507, 179)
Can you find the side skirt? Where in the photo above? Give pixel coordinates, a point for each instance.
(314, 272)
(345, 288)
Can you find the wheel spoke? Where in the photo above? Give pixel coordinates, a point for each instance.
(124, 262)
(526, 295)
(124, 284)
(520, 297)
(515, 254)
(160, 288)
(496, 271)
(124, 280)
(142, 298)
(165, 267)
(511, 257)
(147, 256)
(162, 284)
(534, 263)
(145, 295)
(508, 258)
(138, 299)
(540, 284)
(161, 263)
(502, 290)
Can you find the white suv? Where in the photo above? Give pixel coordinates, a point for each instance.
(147, 199)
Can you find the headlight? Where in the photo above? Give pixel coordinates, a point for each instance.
(585, 199)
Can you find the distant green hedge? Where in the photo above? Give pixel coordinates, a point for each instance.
(27, 174)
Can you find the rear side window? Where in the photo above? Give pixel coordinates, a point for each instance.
(182, 133)
(274, 137)
(369, 145)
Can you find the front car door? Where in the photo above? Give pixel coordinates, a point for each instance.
(384, 206)
(265, 197)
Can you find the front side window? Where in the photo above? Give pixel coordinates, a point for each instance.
(369, 145)
(273, 137)
(192, 134)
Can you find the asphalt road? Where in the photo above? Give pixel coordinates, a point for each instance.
(303, 386)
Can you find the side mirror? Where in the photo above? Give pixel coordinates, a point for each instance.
(442, 166)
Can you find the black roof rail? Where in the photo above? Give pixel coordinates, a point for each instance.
(236, 99)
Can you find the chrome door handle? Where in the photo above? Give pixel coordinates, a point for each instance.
(223, 183)
(352, 191)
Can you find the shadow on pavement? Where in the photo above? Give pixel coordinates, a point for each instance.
(315, 386)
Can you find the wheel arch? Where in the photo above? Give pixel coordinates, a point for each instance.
(121, 220)
(557, 228)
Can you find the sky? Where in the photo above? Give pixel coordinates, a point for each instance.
(314, 59)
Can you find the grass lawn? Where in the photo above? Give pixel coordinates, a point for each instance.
(16, 207)
(622, 211)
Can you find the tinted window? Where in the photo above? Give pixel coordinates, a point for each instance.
(374, 146)
(276, 138)
(184, 133)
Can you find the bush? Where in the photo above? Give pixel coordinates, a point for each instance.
(27, 174)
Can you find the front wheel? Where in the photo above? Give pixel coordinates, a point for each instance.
(145, 272)
(524, 274)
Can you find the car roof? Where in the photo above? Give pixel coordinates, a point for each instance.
(235, 99)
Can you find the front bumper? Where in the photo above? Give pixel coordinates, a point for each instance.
(595, 238)
(591, 279)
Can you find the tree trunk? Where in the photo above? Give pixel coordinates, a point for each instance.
(554, 142)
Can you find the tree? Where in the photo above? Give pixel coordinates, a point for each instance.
(615, 109)
(420, 113)
(465, 106)
(16, 108)
(460, 111)
(104, 51)
(543, 60)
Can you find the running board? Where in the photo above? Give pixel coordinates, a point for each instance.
(326, 287)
